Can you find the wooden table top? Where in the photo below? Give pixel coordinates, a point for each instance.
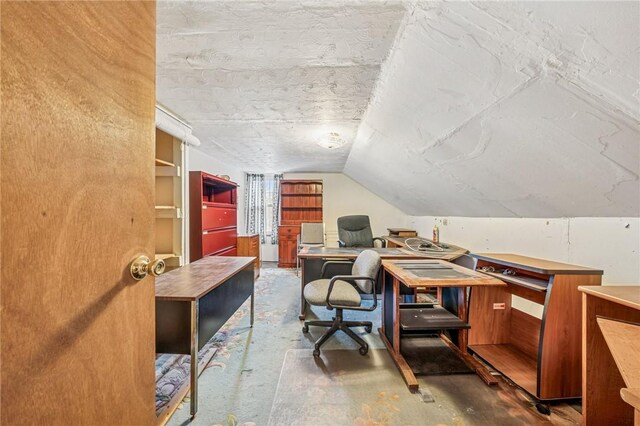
(437, 273)
(450, 251)
(541, 266)
(627, 295)
(194, 280)
(385, 253)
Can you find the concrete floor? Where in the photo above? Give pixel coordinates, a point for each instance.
(241, 382)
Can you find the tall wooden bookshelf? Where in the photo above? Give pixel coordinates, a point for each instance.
(169, 175)
(300, 202)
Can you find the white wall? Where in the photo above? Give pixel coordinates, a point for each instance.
(343, 196)
(610, 244)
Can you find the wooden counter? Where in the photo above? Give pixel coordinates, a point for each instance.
(601, 379)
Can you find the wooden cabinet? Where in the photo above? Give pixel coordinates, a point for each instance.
(288, 245)
(300, 202)
(213, 216)
(249, 245)
(169, 200)
(543, 357)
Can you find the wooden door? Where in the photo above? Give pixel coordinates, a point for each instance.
(77, 205)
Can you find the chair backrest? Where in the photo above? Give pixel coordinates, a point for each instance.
(466, 261)
(312, 233)
(355, 231)
(367, 264)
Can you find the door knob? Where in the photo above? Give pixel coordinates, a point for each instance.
(142, 266)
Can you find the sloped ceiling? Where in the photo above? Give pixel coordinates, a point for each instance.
(504, 109)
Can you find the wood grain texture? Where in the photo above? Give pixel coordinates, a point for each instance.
(249, 245)
(198, 278)
(78, 92)
(489, 325)
(623, 340)
(524, 332)
(601, 379)
(622, 295)
(512, 362)
(560, 371)
(468, 277)
(540, 266)
(353, 252)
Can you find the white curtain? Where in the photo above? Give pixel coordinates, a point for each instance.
(275, 222)
(254, 205)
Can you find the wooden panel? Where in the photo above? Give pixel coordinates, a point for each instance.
(249, 245)
(78, 104)
(511, 362)
(489, 325)
(623, 295)
(541, 266)
(601, 401)
(623, 340)
(560, 371)
(524, 332)
(198, 278)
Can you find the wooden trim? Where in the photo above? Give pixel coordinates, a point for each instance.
(540, 266)
(405, 370)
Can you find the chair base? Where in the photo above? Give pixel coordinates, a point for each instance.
(339, 324)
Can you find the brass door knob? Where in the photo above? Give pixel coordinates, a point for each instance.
(142, 266)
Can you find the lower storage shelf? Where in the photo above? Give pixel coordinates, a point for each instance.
(429, 318)
(512, 363)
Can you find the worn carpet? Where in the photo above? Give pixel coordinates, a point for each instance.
(267, 375)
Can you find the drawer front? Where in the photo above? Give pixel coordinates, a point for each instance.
(288, 231)
(214, 241)
(218, 217)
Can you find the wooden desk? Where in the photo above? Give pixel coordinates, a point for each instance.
(312, 259)
(449, 252)
(542, 356)
(194, 301)
(427, 273)
(601, 379)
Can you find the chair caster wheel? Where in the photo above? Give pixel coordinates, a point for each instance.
(305, 329)
(367, 328)
(316, 353)
(543, 409)
(363, 350)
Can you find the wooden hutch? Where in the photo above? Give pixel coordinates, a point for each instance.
(300, 202)
(213, 207)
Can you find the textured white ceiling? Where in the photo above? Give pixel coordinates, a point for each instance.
(507, 110)
(516, 109)
(261, 82)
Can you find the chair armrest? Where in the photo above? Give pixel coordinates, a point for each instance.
(348, 278)
(333, 262)
(383, 242)
(341, 243)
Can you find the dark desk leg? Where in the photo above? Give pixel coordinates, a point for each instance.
(194, 358)
(253, 297)
(303, 302)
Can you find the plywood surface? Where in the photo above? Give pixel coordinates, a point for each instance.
(623, 340)
(78, 115)
(541, 266)
(623, 295)
(196, 279)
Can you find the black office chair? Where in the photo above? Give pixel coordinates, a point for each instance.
(355, 231)
(340, 293)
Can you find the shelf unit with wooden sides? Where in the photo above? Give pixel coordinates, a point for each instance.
(169, 200)
(542, 356)
(213, 216)
(249, 246)
(300, 202)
